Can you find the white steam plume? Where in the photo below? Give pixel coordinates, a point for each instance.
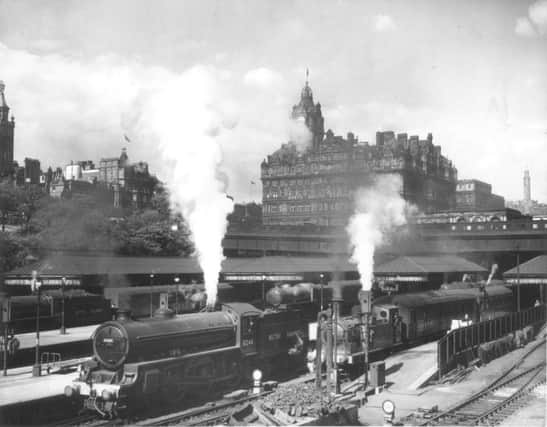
(377, 210)
(183, 118)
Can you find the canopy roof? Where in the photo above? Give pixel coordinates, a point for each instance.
(536, 267)
(428, 264)
(102, 265)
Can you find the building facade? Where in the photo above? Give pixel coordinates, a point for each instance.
(473, 195)
(132, 184)
(316, 185)
(7, 127)
(32, 171)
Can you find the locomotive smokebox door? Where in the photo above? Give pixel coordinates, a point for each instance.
(365, 298)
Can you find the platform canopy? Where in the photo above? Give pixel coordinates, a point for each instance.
(529, 272)
(420, 265)
(82, 265)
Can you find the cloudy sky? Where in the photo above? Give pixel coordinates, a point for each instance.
(472, 73)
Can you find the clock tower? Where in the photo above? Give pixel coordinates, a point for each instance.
(310, 114)
(6, 135)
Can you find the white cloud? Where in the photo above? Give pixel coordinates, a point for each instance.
(383, 23)
(262, 77)
(536, 22)
(76, 109)
(524, 27)
(538, 15)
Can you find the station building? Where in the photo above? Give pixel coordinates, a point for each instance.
(315, 185)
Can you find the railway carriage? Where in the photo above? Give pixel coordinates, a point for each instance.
(81, 308)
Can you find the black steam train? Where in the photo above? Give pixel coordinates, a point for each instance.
(396, 320)
(139, 363)
(168, 358)
(81, 308)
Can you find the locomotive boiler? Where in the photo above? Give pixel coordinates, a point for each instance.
(167, 359)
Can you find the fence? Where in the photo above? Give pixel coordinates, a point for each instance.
(471, 337)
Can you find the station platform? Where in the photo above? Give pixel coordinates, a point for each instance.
(19, 386)
(406, 372)
(54, 337)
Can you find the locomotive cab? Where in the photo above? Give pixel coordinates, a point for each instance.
(385, 313)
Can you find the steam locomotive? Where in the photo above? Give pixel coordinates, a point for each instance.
(80, 308)
(395, 320)
(407, 319)
(166, 359)
(139, 363)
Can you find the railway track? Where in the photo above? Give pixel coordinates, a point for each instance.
(211, 414)
(501, 398)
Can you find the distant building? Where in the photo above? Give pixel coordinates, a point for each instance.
(82, 171)
(472, 195)
(456, 216)
(132, 184)
(7, 127)
(32, 171)
(527, 205)
(315, 185)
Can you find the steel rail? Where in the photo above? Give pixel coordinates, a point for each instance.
(187, 415)
(502, 381)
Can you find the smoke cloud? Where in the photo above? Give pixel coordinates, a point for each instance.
(185, 117)
(378, 210)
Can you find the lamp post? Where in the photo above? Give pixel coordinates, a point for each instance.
(321, 279)
(4, 319)
(518, 278)
(37, 368)
(263, 291)
(151, 290)
(63, 284)
(177, 280)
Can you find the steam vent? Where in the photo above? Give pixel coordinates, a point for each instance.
(314, 184)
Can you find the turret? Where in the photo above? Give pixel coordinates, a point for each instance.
(310, 113)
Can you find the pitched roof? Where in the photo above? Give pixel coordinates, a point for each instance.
(428, 264)
(100, 265)
(536, 267)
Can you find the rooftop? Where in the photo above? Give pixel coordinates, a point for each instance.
(429, 264)
(536, 267)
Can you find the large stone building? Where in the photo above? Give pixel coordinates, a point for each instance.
(132, 183)
(7, 127)
(315, 185)
(475, 195)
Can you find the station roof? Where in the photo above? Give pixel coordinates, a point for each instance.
(428, 264)
(104, 265)
(536, 267)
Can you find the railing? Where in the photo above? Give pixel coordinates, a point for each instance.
(50, 360)
(513, 226)
(470, 337)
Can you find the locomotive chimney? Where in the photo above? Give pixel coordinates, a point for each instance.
(123, 314)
